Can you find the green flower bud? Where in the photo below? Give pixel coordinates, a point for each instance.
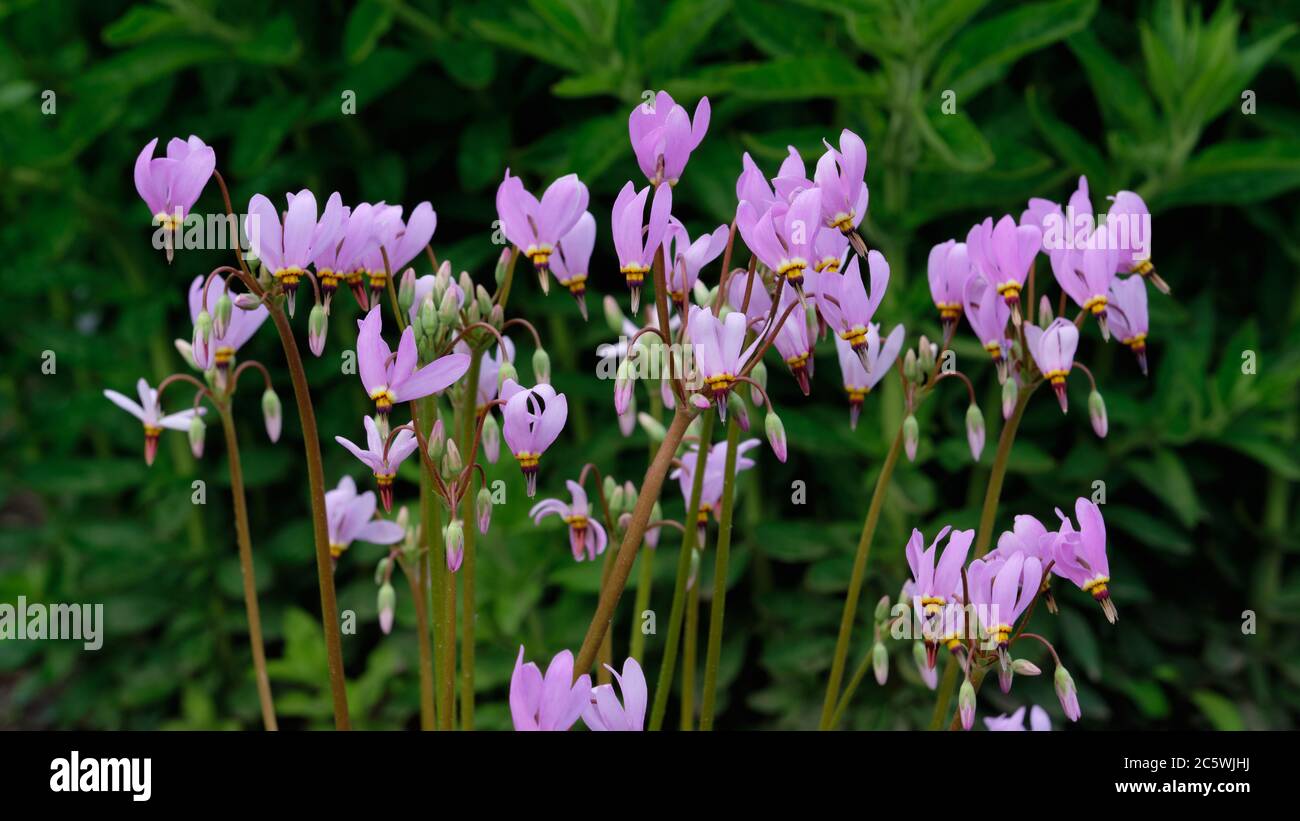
(910, 368)
(197, 432)
(503, 261)
(1097, 413)
(652, 426)
(507, 371)
(882, 609)
(759, 375)
(880, 663)
(925, 356)
(381, 570)
(483, 507)
(221, 316)
(613, 314)
(387, 605)
(484, 300)
(542, 366)
(911, 436)
(406, 291)
(966, 704)
(272, 414)
(448, 309)
(1025, 667)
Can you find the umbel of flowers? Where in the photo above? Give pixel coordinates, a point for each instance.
(436, 364)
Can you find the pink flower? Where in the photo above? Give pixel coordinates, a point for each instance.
(534, 227)
(572, 257)
(841, 175)
(389, 379)
(605, 713)
(1053, 351)
(988, 315)
(350, 517)
(1087, 277)
(714, 478)
(1004, 589)
(1004, 254)
(552, 702)
(1038, 720)
(717, 345)
(534, 418)
(346, 258)
(401, 241)
(635, 241)
(845, 304)
(1080, 555)
(949, 268)
(663, 136)
(686, 258)
(782, 237)
(382, 459)
(171, 185)
(150, 414)
(858, 381)
(1128, 316)
(587, 536)
(219, 349)
(287, 250)
(1135, 258)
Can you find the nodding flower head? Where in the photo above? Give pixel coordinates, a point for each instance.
(636, 241)
(402, 241)
(286, 250)
(686, 258)
(713, 481)
(171, 185)
(587, 536)
(218, 350)
(663, 136)
(841, 175)
(550, 702)
(390, 378)
(382, 456)
(1053, 351)
(1128, 316)
(150, 414)
(534, 418)
(605, 713)
(1136, 258)
(717, 346)
(1003, 253)
(345, 260)
(794, 340)
(536, 228)
(783, 236)
(847, 307)
(1080, 555)
(1086, 276)
(936, 584)
(572, 257)
(988, 315)
(1004, 589)
(1028, 536)
(350, 518)
(858, 381)
(948, 269)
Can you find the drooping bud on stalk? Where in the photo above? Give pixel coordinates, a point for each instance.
(926, 353)
(775, 434)
(1064, 684)
(624, 521)
(491, 438)
(613, 494)
(437, 441)
(703, 296)
(911, 436)
(975, 430)
(197, 432)
(929, 673)
(880, 663)
(387, 605)
(742, 416)
(406, 291)
(247, 301)
(542, 366)
(317, 327)
(613, 314)
(1025, 667)
(966, 704)
(203, 335)
(506, 371)
(451, 461)
(272, 414)
(882, 609)
(1010, 393)
(381, 569)
(483, 506)
(623, 387)
(221, 314)
(759, 375)
(454, 537)
(503, 262)
(652, 427)
(1044, 312)
(911, 370)
(1097, 413)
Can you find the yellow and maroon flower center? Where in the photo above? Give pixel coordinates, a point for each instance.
(1097, 587)
(222, 356)
(168, 221)
(540, 254)
(677, 296)
(384, 479)
(576, 521)
(949, 310)
(378, 279)
(857, 337)
(831, 264)
(1001, 633)
(528, 461)
(792, 270)
(290, 275)
(336, 550)
(1142, 268)
(1096, 304)
(994, 349)
(952, 642)
(634, 273)
(702, 518)
(1010, 291)
(842, 221)
(932, 604)
(577, 284)
(383, 399)
(1138, 343)
(329, 278)
(152, 431)
(799, 361)
(1056, 377)
(354, 277)
(721, 383)
(856, 395)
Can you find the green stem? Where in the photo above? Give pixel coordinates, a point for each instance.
(644, 582)
(855, 581)
(689, 539)
(431, 528)
(850, 689)
(720, 572)
(689, 643)
(418, 578)
(469, 423)
(246, 567)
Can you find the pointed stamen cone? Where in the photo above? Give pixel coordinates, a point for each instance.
(701, 536)
(855, 411)
(169, 245)
(1142, 360)
(1156, 280)
(864, 356)
(150, 448)
(1108, 608)
(290, 298)
(359, 293)
(801, 376)
(582, 306)
(530, 482)
(386, 496)
(855, 240)
(636, 297)
(544, 278)
(1015, 314)
(931, 654)
(721, 400)
(1104, 326)
(1059, 389)
(1001, 365)
(1050, 601)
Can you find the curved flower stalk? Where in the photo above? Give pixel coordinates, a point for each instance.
(858, 380)
(782, 237)
(686, 258)
(948, 269)
(534, 227)
(573, 256)
(391, 378)
(551, 702)
(1053, 351)
(287, 250)
(382, 457)
(663, 136)
(217, 347)
(351, 519)
(636, 241)
(171, 185)
(605, 713)
(587, 536)
(149, 412)
(1004, 253)
(846, 306)
(1128, 316)
(533, 418)
(841, 175)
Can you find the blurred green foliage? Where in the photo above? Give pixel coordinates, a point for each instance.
(1200, 466)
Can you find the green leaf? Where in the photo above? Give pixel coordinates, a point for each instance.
(482, 152)
(1235, 172)
(277, 43)
(1149, 530)
(1123, 100)
(1080, 643)
(780, 30)
(955, 139)
(803, 78)
(1073, 148)
(684, 27)
(1221, 712)
(368, 21)
(1168, 480)
(140, 23)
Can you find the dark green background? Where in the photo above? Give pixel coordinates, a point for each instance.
(1200, 465)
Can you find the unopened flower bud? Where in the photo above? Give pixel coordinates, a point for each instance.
(454, 537)
(542, 366)
(652, 427)
(911, 370)
(703, 297)
(882, 609)
(381, 570)
(1064, 684)
(221, 314)
(925, 356)
(466, 285)
(1044, 312)
(614, 496)
(742, 415)
(1010, 393)
(483, 506)
(203, 330)
(272, 414)
(759, 375)
(247, 301)
(966, 705)
(451, 461)
(1025, 667)
(406, 291)
(506, 371)
(437, 441)
(428, 316)
(629, 495)
(497, 316)
(1006, 672)
(317, 326)
(484, 299)
(1097, 413)
(975, 431)
(503, 261)
(880, 663)
(624, 521)
(197, 432)
(186, 350)
(387, 604)
(448, 308)
(776, 434)
(613, 314)
(929, 675)
(623, 387)
(911, 436)
(491, 438)
(695, 569)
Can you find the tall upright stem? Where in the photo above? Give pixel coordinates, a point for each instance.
(855, 581)
(419, 579)
(632, 538)
(689, 540)
(644, 581)
(433, 561)
(690, 640)
(246, 568)
(720, 572)
(320, 528)
(469, 424)
(984, 536)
